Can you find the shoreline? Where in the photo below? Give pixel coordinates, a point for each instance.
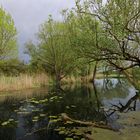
(36, 81)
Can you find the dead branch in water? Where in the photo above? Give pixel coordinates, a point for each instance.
(66, 118)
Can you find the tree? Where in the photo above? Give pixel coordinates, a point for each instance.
(54, 51)
(117, 39)
(84, 39)
(8, 47)
(12, 67)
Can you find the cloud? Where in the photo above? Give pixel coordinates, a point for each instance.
(29, 14)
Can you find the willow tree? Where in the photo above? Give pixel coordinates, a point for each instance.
(54, 51)
(118, 40)
(8, 46)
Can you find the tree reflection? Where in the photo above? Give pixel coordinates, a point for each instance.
(130, 105)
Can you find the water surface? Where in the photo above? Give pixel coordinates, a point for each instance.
(32, 114)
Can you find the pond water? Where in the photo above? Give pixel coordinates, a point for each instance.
(35, 114)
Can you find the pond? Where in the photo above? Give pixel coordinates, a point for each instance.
(37, 114)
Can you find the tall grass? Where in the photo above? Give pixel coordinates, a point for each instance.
(23, 81)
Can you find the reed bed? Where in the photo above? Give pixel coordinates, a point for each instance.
(23, 81)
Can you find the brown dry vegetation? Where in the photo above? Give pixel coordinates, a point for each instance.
(23, 81)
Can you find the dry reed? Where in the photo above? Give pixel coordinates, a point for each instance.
(23, 81)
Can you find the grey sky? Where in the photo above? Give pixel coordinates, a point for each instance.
(29, 14)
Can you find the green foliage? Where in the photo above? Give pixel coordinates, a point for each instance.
(9, 62)
(12, 67)
(8, 47)
(54, 53)
(109, 33)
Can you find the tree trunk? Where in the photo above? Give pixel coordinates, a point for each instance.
(94, 72)
(58, 80)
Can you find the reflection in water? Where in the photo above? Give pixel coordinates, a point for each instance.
(129, 106)
(38, 110)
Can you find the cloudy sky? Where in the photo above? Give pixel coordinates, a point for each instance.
(29, 14)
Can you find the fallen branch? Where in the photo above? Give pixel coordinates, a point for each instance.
(66, 118)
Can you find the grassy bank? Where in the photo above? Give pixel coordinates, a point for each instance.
(23, 81)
